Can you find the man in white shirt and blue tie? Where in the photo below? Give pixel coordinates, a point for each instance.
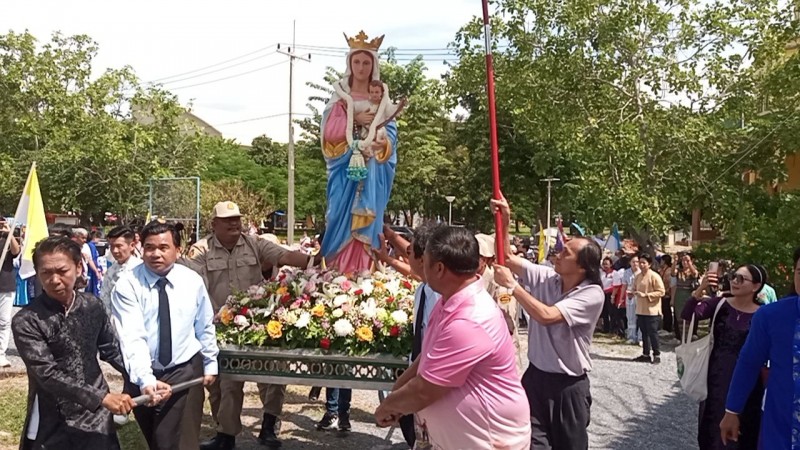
(165, 321)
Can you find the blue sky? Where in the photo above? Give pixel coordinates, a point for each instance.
(164, 38)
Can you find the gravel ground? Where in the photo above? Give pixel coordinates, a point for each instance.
(635, 406)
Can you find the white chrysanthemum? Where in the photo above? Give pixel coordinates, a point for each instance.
(340, 300)
(367, 287)
(400, 317)
(337, 313)
(343, 327)
(241, 321)
(393, 287)
(303, 321)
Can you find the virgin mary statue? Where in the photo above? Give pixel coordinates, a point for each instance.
(361, 159)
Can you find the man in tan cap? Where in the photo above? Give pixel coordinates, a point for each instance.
(506, 301)
(234, 261)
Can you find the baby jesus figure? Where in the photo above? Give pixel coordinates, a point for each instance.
(375, 98)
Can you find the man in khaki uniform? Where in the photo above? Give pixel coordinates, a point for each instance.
(506, 301)
(234, 261)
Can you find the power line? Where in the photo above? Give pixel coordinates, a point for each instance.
(219, 70)
(214, 65)
(253, 119)
(396, 50)
(229, 77)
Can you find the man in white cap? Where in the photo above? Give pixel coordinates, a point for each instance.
(506, 301)
(234, 260)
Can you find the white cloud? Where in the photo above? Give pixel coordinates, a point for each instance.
(164, 38)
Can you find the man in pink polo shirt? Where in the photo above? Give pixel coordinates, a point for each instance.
(464, 387)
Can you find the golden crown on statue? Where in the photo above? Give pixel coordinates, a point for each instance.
(359, 42)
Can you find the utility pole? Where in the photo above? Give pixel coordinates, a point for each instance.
(549, 193)
(290, 206)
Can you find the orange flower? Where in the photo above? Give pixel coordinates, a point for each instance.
(318, 310)
(364, 334)
(274, 329)
(283, 290)
(226, 315)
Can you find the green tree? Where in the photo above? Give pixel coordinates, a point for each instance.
(630, 102)
(97, 140)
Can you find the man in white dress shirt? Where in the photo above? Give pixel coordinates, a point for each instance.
(425, 299)
(165, 321)
(120, 242)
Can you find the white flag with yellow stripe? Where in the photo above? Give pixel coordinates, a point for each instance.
(30, 213)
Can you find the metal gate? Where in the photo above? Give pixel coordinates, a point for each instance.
(177, 199)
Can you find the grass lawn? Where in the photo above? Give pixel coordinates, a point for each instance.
(13, 398)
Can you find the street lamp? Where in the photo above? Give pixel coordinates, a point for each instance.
(549, 181)
(450, 200)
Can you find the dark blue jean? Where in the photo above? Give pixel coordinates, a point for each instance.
(337, 401)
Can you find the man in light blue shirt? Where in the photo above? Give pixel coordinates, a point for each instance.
(165, 320)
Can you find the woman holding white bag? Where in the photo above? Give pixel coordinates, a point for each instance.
(731, 323)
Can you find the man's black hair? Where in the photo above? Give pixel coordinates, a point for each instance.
(589, 258)
(156, 227)
(419, 239)
(121, 232)
(456, 248)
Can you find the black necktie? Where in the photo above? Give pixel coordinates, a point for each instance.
(417, 349)
(164, 325)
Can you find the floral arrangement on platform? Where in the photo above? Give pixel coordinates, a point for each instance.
(324, 310)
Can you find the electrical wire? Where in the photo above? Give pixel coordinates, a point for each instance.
(220, 69)
(261, 118)
(215, 64)
(231, 76)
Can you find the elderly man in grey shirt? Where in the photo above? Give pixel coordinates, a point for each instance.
(564, 304)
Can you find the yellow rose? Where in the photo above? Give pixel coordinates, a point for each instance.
(226, 315)
(318, 310)
(364, 334)
(282, 290)
(274, 329)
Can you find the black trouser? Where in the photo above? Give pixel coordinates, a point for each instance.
(620, 326)
(668, 323)
(649, 327)
(560, 406)
(607, 313)
(161, 424)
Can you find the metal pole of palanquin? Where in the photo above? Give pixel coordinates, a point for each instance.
(496, 194)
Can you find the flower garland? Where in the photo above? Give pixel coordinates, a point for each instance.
(322, 309)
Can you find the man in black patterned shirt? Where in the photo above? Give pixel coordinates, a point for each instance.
(59, 337)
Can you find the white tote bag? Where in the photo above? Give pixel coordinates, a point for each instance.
(693, 359)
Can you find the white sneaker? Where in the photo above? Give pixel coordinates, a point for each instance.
(4, 362)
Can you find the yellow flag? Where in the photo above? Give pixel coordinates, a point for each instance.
(542, 243)
(30, 213)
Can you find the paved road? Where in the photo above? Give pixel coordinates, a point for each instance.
(635, 406)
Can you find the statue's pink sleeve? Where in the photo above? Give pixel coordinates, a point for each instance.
(336, 124)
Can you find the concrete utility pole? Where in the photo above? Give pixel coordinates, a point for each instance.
(290, 206)
(549, 192)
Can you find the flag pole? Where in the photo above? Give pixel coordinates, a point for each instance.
(13, 223)
(496, 194)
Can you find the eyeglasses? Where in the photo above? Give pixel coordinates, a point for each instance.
(739, 278)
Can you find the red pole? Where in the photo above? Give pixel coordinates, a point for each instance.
(496, 194)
